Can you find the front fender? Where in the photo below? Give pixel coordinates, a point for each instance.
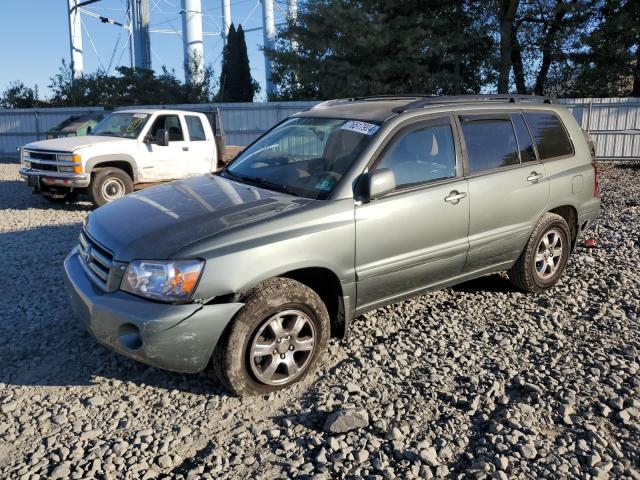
(114, 157)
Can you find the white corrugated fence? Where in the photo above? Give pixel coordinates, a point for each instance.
(614, 123)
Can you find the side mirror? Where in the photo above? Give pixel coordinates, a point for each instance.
(89, 130)
(162, 137)
(380, 182)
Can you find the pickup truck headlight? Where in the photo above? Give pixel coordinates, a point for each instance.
(75, 158)
(167, 281)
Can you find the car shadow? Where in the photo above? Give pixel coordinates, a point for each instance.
(494, 283)
(41, 341)
(17, 195)
(628, 165)
(9, 160)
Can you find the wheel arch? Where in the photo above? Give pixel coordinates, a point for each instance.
(327, 285)
(570, 215)
(321, 280)
(122, 161)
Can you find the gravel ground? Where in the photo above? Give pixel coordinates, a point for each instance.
(474, 381)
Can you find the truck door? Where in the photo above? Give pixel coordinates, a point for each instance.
(202, 150)
(166, 162)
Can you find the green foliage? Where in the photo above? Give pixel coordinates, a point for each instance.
(236, 83)
(341, 48)
(129, 87)
(18, 95)
(609, 63)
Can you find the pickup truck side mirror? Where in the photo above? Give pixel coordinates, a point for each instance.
(162, 137)
(379, 183)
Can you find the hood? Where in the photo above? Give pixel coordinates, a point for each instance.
(154, 223)
(69, 144)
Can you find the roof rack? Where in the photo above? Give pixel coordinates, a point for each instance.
(372, 98)
(499, 98)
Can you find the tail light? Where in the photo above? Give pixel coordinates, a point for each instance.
(596, 188)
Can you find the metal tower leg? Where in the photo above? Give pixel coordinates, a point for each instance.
(269, 31)
(192, 38)
(75, 39)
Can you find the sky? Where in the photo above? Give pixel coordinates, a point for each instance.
(35, 38)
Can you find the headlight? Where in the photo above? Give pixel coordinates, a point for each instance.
(167, 281)
(24, 157)
(75, 158)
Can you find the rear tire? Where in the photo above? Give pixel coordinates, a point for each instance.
(109, 184)
(545, 256)
(274, 341)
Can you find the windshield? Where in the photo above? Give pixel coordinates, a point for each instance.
(124, 125)
(303, 156)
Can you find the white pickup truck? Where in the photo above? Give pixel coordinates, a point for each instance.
(127, 149)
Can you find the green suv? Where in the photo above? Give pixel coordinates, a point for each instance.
(351, 205)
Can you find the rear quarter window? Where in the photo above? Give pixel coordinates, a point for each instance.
(549, 134)
(490, 141)
(196, 130)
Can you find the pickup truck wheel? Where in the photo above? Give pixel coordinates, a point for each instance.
(275, 340)
(545, 256)
(109, 184)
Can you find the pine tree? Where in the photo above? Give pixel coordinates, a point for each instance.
(236, 83)
(609, 66)
(340, 48)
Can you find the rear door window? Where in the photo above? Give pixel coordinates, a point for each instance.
(490, 140)
(550, 135)
(525, 142)
(195, 128)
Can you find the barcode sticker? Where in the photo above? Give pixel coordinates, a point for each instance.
(360, 127)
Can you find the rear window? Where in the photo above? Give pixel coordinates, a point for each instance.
(550, 135)
(490, 141)
(196, 130)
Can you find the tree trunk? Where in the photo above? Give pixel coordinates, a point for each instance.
(516, 59)
(507, 15)
(547, 46)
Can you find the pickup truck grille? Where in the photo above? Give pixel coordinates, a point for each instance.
(42, 155)
(96, 259)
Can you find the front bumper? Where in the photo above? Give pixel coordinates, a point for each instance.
(180, 338)
(57, 179)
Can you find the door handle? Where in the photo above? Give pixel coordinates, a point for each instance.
(534, 177)
(455, 197)
(185, 149)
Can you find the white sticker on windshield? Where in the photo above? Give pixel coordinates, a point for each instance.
(140, 115)
(360, 127)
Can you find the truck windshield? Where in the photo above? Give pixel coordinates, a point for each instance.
(124, 125)
(303, 156)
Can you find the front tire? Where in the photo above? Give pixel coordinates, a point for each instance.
(545, 256)
(109, 184)
(275, 340)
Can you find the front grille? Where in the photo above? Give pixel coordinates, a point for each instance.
(44, 166)
(96, 259)
(42, 155)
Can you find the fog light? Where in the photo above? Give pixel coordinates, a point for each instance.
(129, 336)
